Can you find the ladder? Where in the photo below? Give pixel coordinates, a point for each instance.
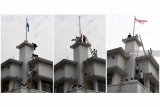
(91, 51)
(85, 73)
(29, 84)
(144, 63)
(121, 82)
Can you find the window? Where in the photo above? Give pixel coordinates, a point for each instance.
(109, 78)
(152, 87)
(34, 85)
(59, 88)
(101, 85)
(47, 86)
(5, 86)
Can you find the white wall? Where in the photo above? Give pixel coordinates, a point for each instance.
(25, 55)
(45, 70)
(15, 70)
(6, 71)
(70, 71)
(119, 61)
(116, 78)
(152, 69)
(80, 54)
(59, 73)
(149, 68)
(131, 47)
(91, 69)
(112, 62)
(99, 69)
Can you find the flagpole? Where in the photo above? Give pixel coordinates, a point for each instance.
(134, 25)
(79, 26)
(26, 29)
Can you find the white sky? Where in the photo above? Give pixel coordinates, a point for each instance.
(67, 28)
(120, 25)
(13, 28)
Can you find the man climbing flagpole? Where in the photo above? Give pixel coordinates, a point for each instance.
(137, 20)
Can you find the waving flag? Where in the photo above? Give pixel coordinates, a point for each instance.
(140, 21)
(137, 20)
(27, 26)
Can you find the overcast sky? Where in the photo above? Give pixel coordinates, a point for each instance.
(67, 28)
(119, 26)
(13, 33)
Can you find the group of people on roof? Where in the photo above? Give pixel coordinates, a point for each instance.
(82, 38)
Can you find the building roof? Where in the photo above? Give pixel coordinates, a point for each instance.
(9, 61)
(23, 44)
(131, 39)
(92, 59)
(79, 43)
(151, 59)
(39, 59)
(118, 50)
(63, 62)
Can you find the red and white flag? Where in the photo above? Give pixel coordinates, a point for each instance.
(140, 21)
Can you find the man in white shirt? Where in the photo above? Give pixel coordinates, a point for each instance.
(141, 78)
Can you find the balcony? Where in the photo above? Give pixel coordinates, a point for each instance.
(128, 87)
(11, 69)
(43, 68)
(96, 67)
(65, 69)
(151, 67)
(116, 60)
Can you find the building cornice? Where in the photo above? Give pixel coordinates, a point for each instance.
(63, 62)
(132, 39)
(151, 59)
(9, 61)
(39, 59)
(23, 44)
(80, 43)
(119, 50)
(95, 59)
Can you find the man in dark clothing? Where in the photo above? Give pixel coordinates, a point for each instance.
(129, 35)
(84, 38)
(34, 46)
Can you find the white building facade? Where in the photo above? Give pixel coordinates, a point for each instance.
(130, 72)
(15, 76)
(83, 74)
